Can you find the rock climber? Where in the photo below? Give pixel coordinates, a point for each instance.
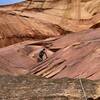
(41, 55)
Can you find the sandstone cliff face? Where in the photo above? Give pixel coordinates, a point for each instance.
(78, 57)
(16, 29)
(73, 55)
(40, 19)
(18, 59)
(69, 30)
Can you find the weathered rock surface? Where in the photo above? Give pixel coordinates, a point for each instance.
(42, 18)
(18, 59)
(77, 55)
(15, 29)
(35, 88)
(71, 38)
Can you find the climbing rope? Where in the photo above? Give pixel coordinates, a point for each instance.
(82, 87)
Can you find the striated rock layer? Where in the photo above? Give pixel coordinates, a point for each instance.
(46, 18)
(18, 59)
(35, 88)
(79, 56)
(74, 55)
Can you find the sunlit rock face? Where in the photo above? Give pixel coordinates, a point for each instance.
(36, 19)
(75, 55)
(19, 59)
(69, 30)
(46, 18)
